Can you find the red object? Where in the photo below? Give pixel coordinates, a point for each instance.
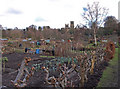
(60, 65)
(69, 40)
(19, 64)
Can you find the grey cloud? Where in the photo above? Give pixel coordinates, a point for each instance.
(13, 11)
(53, 0)
(68, 6)
(1, 15)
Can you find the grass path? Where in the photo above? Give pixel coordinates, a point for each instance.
(110, 74)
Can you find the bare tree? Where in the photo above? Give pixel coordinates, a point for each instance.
(94, 16)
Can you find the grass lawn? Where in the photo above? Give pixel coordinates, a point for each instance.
(110, 74)
(47, 56)
(19, 50)
(91, 44)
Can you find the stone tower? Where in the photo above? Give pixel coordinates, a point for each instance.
(71, 24)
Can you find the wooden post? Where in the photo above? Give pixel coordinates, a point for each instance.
(22, 83)
(92, 67)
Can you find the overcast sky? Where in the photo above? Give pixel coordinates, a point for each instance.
(53, 13)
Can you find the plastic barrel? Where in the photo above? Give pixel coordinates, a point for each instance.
(38, 43)
(26, 49)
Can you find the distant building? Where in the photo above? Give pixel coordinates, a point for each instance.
(4, 39)
(66, 25)
(24, 40)
(62, 28)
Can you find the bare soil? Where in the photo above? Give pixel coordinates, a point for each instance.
(38, 79)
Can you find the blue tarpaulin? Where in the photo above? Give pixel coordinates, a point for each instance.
(37, 51)
(85, 9)
(48, 41)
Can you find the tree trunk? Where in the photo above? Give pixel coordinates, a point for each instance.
(95, 36)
